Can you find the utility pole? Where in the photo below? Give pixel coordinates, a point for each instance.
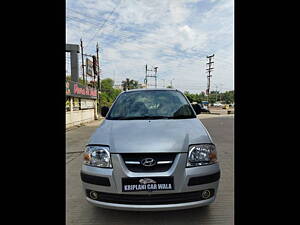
(155, 71)
(164, 82)
(98, 75)
(145, 80)
(172, 82)
(82, 62)
(210, 62)
(146, 76)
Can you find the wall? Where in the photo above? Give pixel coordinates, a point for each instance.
(79, 117)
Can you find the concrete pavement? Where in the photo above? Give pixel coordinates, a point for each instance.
(76, 139)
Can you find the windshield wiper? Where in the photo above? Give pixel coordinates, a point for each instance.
(152, 117)
(140, 118)
(182, 117)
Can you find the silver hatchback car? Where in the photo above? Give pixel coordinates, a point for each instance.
(150, 153)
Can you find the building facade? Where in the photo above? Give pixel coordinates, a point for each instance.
(81, 100)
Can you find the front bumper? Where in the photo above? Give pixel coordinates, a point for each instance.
(160, 207)
(110, 181)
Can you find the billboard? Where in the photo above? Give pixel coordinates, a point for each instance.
(89, 67)
(95, 65)
(75, 89)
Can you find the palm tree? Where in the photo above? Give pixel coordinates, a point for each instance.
(129, 84)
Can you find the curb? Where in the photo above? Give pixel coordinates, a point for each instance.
(83, 124)
(74, 152)
(215, 116)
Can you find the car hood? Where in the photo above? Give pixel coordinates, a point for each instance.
(134, 136)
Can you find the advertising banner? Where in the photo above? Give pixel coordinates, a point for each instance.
(95, 65)
(86, 104)
(75, 89)
(89, 67)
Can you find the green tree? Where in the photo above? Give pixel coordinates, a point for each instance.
(107, 85)
(130, 84)
(108, 93)
(195, 97)
(228, 97)
(80, 80)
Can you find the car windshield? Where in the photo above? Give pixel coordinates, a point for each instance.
(151, 104)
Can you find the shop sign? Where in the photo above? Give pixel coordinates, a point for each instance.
(89, 67)
(86, 104)
(75, 89)
(95, 65)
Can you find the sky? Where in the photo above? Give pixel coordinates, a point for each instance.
(174, 35)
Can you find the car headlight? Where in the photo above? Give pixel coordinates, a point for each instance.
(97, 156)
(200, 155)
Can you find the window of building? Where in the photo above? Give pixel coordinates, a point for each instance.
(68, 104)
(76, 105)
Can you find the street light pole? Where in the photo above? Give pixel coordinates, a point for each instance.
(164, 82)
(155, 71)
(216, 92)
(172, 82)
(82, 62)
(98, 77)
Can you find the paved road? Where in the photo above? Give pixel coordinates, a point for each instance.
(80, 212)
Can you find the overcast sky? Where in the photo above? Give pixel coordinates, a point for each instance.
(174, 35)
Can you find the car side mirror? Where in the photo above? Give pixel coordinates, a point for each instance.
(197, 108)
(104, 110)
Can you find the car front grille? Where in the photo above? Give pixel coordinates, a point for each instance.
(151, 199)
(163, 161)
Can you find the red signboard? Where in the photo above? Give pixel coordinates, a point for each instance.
(78, 90)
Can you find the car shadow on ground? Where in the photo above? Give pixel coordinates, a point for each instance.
(190, 216)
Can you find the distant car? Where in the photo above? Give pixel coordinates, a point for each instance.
(203, 108)
(225, 106)
(218, 104)
(205, 104)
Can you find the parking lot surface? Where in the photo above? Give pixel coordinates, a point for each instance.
(80, 212)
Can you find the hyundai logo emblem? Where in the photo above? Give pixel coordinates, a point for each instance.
(148, 162)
